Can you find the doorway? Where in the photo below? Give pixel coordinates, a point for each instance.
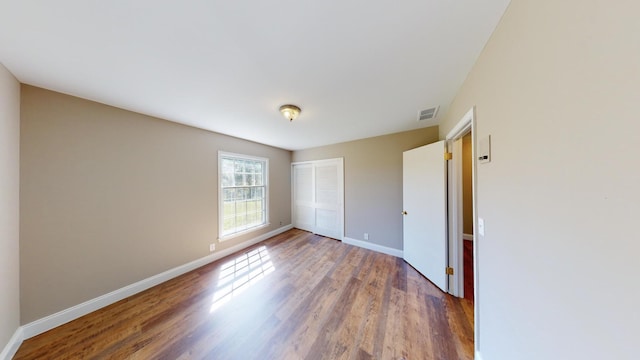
(467, 214)
(461, 171)
(438, 215)
(453, 211)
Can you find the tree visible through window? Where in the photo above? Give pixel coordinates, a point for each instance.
(243, 193)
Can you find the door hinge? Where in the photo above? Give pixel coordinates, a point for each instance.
(449, 271)
(448, 156)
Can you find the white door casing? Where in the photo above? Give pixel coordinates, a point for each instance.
(425, 222)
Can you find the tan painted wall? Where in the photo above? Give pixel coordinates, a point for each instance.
(9, 206)
(110, 197)
(557, 88)
(373, 182)
(467, 185)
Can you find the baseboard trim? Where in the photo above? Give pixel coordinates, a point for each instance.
(477, 356)
(62, 317)
(13, 345)
(374, 247)
(467, 237)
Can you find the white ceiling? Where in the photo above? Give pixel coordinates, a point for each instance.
(357, 68)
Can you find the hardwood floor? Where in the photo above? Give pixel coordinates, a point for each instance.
(468, 269)
(294, 296)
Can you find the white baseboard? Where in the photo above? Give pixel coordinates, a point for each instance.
(374, 247)
(467, 237)
(477, 356)
(12, 346)
(62, 317)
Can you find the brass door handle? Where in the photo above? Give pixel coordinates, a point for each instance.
(404, 213)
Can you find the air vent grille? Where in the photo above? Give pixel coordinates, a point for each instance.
(428, 113)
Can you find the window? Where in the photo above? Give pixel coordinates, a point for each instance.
(243, 193)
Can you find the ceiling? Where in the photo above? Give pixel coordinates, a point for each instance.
(356, 68)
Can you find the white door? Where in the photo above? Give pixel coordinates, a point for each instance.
(424, 202)
(303, 200)
(328, 177)
(318, 193)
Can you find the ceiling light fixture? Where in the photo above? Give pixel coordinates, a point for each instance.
(290, 111)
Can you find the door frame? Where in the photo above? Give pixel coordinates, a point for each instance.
(340, 161)
(455, 208)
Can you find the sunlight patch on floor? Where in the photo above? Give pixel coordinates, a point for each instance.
(239, 274)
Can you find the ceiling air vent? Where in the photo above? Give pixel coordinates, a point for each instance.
(428, 113)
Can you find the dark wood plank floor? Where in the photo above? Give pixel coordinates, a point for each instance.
(294, 296)
(468, 269)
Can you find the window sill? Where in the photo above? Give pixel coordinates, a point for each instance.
(243, 232)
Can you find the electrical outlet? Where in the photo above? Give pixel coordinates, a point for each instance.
(366, 236)
(212, 247)
(280, 223)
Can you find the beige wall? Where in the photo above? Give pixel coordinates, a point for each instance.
(373, 182)
(110, 197)
(9, 205)
(467, 185)
(557, 89)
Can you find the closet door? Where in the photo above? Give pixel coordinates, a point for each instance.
(303, 199)
(318, 193)
(328, 204)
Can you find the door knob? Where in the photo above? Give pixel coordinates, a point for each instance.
(404, 213)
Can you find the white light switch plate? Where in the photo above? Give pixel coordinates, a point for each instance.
(481, 226)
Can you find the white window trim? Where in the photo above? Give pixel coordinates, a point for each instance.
(222, 154)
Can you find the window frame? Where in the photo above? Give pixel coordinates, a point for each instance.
(229, 155)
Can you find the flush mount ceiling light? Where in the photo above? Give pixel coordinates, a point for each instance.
(290, 111)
